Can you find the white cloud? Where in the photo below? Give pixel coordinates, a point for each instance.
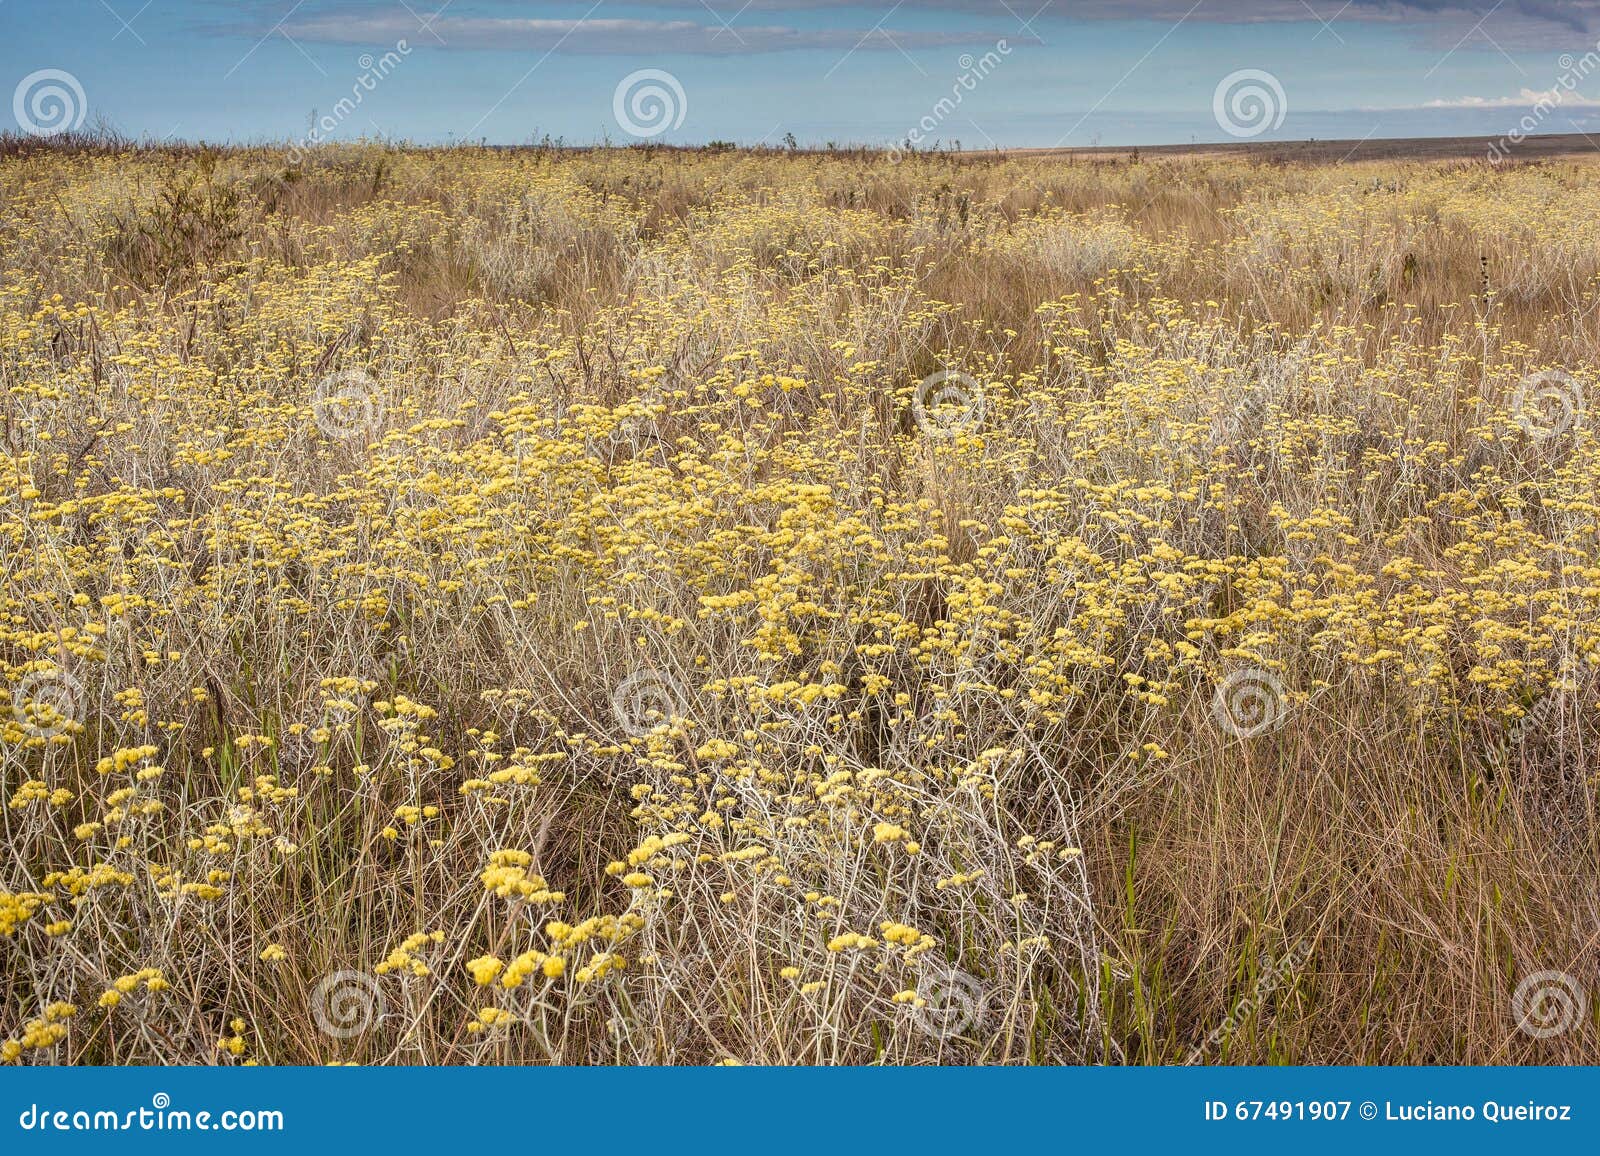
(625, 36)
(1527, 98)
(1464, 25)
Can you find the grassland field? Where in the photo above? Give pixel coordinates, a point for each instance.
(652, 606)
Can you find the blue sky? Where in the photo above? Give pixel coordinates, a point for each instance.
(1074, 72)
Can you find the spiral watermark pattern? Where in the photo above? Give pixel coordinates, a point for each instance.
(1249, 702)
(645, 699)
(649, 102)
(1548, 1003)
(639, 436)
(348, 405)
(948, 403)
(952, 1004)
(48, 102)
(48, 703)
(1233, 424)
(296, 754)
(1249, 102)
(44, 414)
(346, 1003)
(1548, 404)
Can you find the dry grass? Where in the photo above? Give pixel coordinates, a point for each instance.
(550, 562)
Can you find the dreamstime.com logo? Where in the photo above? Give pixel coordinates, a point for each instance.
(374, 70)
(646, 699)
(1548, 404)
(1249, 702)
(948, 403)
(1574, 69)
(49, 102)
(950, 1003)
(1272, 977)
(41, 415)
(1249, 102)
(648, 102)
(160, 1116)
(47, 703)
(346, 1004)
(348, 404)
(974, 70)
(1548, 1004)
(1543, 716)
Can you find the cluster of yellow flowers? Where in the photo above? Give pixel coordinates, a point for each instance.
(44, 1032)
(125, 985)
(359, 568)
(507, 876)
(408, 957)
